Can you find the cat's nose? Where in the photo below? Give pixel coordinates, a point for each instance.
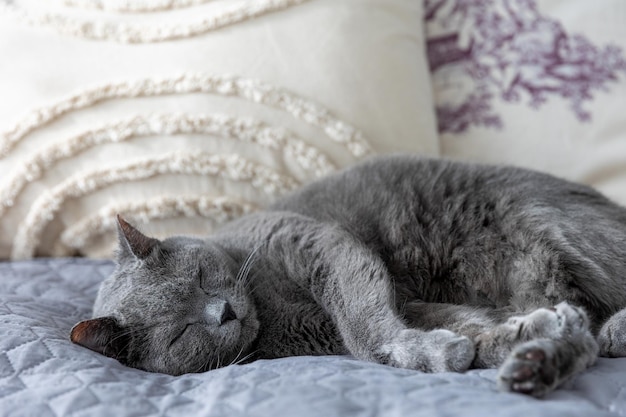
(228, 313)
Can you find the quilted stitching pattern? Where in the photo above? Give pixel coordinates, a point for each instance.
(42, 374)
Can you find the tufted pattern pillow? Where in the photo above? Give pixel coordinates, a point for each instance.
(186, 113)
(536, 83)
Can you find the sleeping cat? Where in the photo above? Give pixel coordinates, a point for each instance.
(415, 263)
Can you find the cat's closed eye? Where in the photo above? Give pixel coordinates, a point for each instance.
(203, 280)
(183, 331)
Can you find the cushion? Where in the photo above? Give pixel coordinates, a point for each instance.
(541, 84)
(185, 114)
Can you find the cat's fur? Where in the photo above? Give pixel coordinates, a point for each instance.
(415, 263)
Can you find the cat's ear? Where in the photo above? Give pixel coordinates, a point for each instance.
(132, 241)
(103, 335)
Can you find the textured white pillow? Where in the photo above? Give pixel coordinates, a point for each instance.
(186, 113)
(540, 84)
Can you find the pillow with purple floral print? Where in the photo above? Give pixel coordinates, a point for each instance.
(536, 83)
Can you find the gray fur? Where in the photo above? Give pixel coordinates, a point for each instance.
(415, 263)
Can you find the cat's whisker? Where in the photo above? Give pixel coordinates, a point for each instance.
(206, 366)
(247, 264)
(247, 279)
(236, 357)
(248, 356)
(251, 278)
(252, 290)
(201, 368)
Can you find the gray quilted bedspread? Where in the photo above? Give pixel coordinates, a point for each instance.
(43, 374)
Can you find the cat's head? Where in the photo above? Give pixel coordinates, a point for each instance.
(174, 306)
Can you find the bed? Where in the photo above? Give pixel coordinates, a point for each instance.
(43, 374)
(183, 114)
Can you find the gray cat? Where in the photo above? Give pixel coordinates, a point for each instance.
(415, 263)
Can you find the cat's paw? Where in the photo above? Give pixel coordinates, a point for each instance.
(612, 336)
(538, 366)
(434, 351)
(531, 369)
(563, 321)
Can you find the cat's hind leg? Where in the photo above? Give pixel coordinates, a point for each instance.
(560, 345)
(535, 352)
(612, 336)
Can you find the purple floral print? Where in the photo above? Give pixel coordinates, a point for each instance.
(508, 51)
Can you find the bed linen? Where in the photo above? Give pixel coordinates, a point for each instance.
(43, 374)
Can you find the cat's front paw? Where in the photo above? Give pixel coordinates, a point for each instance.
(562, 321)
(434, 351)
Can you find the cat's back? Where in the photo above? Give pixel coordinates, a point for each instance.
(383, 188)
(459, 227)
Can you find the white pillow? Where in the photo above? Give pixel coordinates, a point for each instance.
(186, 113)
(540, 84)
